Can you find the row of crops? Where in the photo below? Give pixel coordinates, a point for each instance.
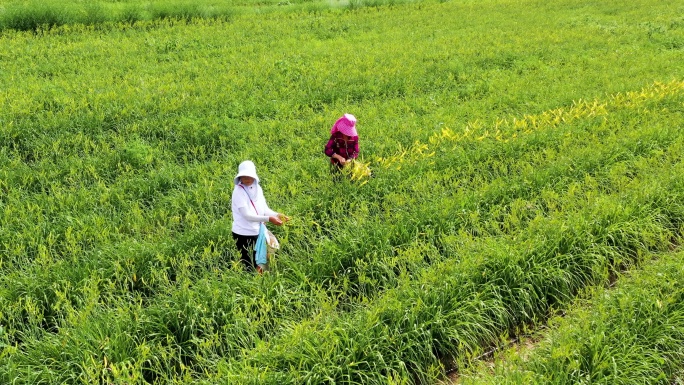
(41, 15)
(630, 334)
(580, 215)
(548, 245)
(519, 158)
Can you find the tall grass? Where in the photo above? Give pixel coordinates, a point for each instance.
(462, 305)
(515, 163)
(631, 334)
(40, 15)
(37, 16)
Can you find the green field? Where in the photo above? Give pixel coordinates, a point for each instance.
(526, 155)
(631, 334)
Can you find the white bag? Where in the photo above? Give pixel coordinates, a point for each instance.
(271, 243)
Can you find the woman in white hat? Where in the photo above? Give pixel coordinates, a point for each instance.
(249, 211)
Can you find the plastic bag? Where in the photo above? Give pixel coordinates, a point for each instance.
(265, 248)
(271, 243)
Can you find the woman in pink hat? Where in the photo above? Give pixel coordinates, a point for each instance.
(343, 144)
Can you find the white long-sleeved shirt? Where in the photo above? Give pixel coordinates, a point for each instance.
(246, 218)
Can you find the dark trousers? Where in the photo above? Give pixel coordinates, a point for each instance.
(245, 244)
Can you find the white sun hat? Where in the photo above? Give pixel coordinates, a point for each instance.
(246, 168)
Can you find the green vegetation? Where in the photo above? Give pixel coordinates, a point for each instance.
(632, 334)
(44, 14)
(521, 151)
(38, 15)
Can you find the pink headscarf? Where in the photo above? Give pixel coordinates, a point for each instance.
(346, 125)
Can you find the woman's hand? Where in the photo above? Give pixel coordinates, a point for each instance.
(340, 159)
(275, 220)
